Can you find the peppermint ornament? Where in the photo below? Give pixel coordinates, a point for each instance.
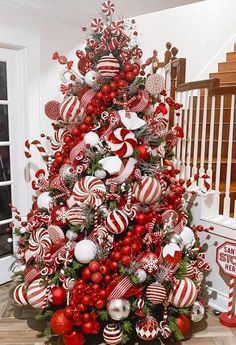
(39, 240)
(147, 328)
(57, 141)
(116, 222)
(97, 25)
(112, 334)
(116, 27)
(55, 233)
(70, 109)
(19, 295)
(37, 294)
(108, 66)
(156, 293)
(89, 190)
(148, 191)
(108, 8)
(122, 142)
(140, 303)
(52, 110)
(155, 84)
(184, 294)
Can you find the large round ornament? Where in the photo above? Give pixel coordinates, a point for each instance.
(149, 262)
(68, 173)
(112, 334)
(198, 311)
(184, 294)
(74, 338)
(147, 328)
(44, 200)
(37, 294)
(59, 215)
(76, 216)
(148, 191)
(187, 237)
(85, 251)
(122, 142)
(117, 222)
(89, 190)
(39, 240)
(172, 253)
(60, 324)
(108, 66)
(69, 109)
(141, 275)
(90, 78)
(184, 324)
(58, 295)
(156, 293)
(20, 295)
(118, 309)
(155, 83)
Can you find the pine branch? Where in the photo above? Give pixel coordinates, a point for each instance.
(103, 315)
(43, 315)
(175, 329)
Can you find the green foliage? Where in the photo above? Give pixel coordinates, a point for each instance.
(55, 279)
(43, 315)
(127, 330)
(72, 271)
(47, 332)
(134, 279)
(181, 273)
(103, 315)
(175, 329)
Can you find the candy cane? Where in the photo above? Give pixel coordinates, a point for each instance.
(231, 296)
(39, 147)
(45, 301)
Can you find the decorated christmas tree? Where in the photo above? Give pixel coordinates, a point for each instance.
(108, 250)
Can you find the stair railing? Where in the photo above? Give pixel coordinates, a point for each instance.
(200, 151)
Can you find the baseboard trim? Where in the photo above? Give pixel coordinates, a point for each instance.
(220, 303)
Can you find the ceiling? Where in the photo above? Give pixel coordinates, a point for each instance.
(76, 12)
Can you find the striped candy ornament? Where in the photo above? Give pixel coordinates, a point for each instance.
(112, 334)
(37, 294)
(116, 222)
(19, 295)
(156, 293)
(57, 141)
(117, 27)
(108, 8)
(184, 294)
(190, 271)
(76, 216)
(97, 25)
(148, 191)
(39, 240)
(55, 233)
(122, 142)
(139, 303)
(108, 66)
(141, 105)
(69, 109)
(89, 190)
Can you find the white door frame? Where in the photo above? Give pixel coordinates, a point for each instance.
(26, 107)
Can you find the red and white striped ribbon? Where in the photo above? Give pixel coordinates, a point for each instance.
(86, 98)
(121, 288)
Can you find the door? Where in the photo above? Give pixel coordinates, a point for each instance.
(8, 154)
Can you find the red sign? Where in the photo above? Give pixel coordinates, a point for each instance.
(226, 258)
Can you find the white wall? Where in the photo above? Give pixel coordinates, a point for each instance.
(199, 31)
(53, 36)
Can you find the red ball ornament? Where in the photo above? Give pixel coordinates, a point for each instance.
(86, 274)
(105, 89)
(127, 67)
(94, 266)
(89, 109)
(97, 277)
(58, 295)
(126, 260)
(139, 230)
(184, 324)
(129, 76)
(74, 338)
(69, 311)
(142, 218)
(113, 85)
(143, 152)
(60, 324)
(121, 83)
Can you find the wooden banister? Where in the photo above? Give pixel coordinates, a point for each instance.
(200, 84)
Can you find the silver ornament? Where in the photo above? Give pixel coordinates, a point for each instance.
(141, 275)
(198, 312)
(17, 269)
(67, 172)
(100, 173)
(172, 237)
(118, 309)
(91, 77)
(71, 235)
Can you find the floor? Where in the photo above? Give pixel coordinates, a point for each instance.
(18, 327)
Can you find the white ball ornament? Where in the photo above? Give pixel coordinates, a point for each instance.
(44, 200)
(91, 139)
(198, 311)
(100, 173)
(85, 251)
(90, 78)
(187, 237)
(118, 309)
(71, 235)
(141, 275)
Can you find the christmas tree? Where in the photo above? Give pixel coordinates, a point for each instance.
(108, 250)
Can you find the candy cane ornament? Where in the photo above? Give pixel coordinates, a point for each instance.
(39, 147)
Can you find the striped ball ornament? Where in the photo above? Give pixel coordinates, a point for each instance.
(76, 216)
(108, 66)
(190, 271)
(37, 294)
(184, 295)
(147, 328)
(117, 222)
(148, 191)
(69, 109)
(112, 334)
(156, 293)
(19, 295)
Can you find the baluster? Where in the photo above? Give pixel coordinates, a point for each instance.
(211, 139)
(226, 213)
(189, 140)
(178, 149)
(196, 133)
(235, 210)
(203, 141)
(182, 166)
(218, 159)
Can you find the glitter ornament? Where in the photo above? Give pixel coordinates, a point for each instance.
(147, 328)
